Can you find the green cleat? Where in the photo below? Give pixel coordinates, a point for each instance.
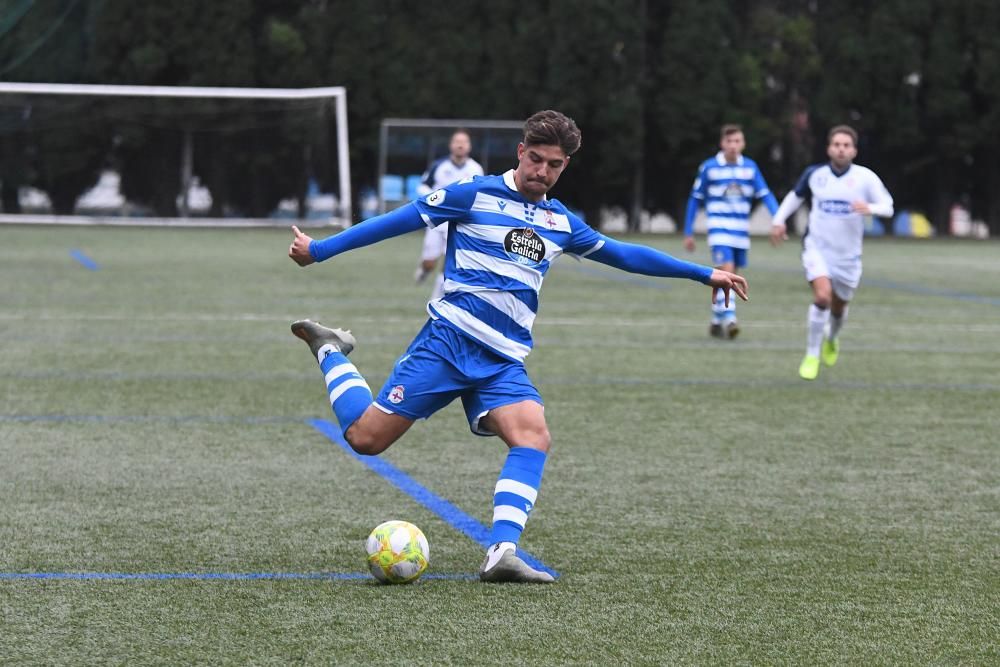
(829, 352)
(317, 335)
(809, 369)
(513, 570)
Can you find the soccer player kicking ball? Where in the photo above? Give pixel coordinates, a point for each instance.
(504, 233)
(842, 194)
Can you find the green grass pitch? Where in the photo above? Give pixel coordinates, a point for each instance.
(702, 504)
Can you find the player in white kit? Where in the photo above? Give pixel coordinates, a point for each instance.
(842, 194)
(455, 167)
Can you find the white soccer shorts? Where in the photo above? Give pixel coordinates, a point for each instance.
(435, 242)
(844, 275)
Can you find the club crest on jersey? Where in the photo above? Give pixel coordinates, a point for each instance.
(436, 198)
(549, 219)
(524, 246)
(396, 395)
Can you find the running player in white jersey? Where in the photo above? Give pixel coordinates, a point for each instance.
(727, 186)
(842, 194)
(456, 166)
(505, 234)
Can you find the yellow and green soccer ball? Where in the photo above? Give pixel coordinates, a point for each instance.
(397, 552)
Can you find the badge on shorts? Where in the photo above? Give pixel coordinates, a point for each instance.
(396, 395)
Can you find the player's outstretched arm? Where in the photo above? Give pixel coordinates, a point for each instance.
(728, 282)
(636, 258)
(779, 231)
(299, 250)
(306, 250)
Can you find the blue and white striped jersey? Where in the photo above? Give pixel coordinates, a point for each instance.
(500, 246)
(728, 192)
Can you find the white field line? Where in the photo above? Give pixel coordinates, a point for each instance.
(543, 322)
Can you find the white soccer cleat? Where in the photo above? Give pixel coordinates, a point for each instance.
(511, 569)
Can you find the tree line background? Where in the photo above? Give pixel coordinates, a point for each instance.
(648, 82)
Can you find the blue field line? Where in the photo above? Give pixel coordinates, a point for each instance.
(85, 261)
(932, 291)
(148, 419)
(452, 515)
(912, 288)
(211, 576)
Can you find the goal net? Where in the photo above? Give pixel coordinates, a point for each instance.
(164, 155)
(407, 146)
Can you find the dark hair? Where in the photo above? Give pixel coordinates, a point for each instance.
(461, 130)
(551, 128)
(729, 128)
(843, 129)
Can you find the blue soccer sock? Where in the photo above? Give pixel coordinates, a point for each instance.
(350, 395)
(515, 494)
(720, 311)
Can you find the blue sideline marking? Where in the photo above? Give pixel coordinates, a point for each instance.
(211, 576)
(452, 515)
(81, 257)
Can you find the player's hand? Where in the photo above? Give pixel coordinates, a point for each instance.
(861, 207)
(689, 243)
(726, 281)
(299, 250)
(779, 233)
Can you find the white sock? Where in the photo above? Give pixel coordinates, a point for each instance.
(836, 323)
(326, 350)
(817, 323)
(497, 550)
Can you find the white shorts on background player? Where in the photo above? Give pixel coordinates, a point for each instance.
(844, 273)
(435, 243)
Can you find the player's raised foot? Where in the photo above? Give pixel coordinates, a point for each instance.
(511, 569)
(732, 329)
(715, 330)
(317, 335)
(829, 352)
(809, 369)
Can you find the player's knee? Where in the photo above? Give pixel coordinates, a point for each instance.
(365, 441)
(537, 438)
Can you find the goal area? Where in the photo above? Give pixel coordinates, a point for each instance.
(407, 147)
(173, 155)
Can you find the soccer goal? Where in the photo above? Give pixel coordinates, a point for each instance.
(181, 156)
(407, 146)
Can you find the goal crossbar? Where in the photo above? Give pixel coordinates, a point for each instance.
(338, 93)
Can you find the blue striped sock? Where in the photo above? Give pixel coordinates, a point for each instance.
(515, 494)
(350, 395)
(720, 312)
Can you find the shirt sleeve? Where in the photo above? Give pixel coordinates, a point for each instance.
(636, 258)
(880, 203)
(761, 191)
(451, 202)
(394, 223)
(583, 239)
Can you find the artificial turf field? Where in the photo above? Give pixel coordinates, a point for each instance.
(166, 498)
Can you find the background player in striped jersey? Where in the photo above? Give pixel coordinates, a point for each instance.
(504, 235)
(842, 194)
(455, 166)
(727, 186)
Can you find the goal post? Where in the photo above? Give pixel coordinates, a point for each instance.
(174, 111)
(407, 146)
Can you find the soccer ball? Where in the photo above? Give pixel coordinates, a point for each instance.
(397, 552)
